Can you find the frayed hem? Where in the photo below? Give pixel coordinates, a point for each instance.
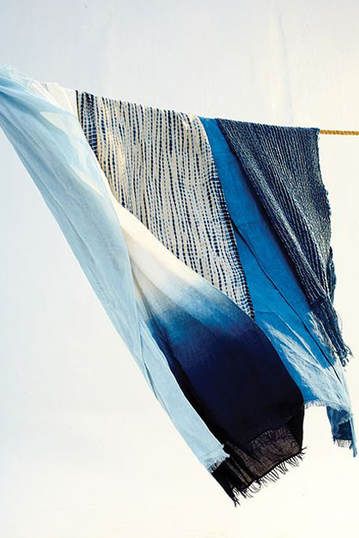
(213, 466)
(343, 443)
(274, 474)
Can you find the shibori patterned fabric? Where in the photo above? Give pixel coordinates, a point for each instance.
(147, 202)
(160, 167)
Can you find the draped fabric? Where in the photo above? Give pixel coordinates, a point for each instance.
(146, 204)
(50, 142)
(281, 307)
(282, 167)
(160, 167)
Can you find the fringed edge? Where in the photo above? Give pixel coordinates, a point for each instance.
(330, 331)
(273, 475)
(269, 477)
(343, 443)
(216, 463)
(314, 403)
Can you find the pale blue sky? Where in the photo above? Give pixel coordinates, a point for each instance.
(86, 451)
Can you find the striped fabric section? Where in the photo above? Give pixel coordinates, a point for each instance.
(160, 167)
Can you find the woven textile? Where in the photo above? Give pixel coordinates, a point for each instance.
(160, 167)
(280, 306)
(282, 166)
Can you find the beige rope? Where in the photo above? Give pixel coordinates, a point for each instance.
(337, 132)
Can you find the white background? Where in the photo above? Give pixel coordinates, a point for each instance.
(85, 449)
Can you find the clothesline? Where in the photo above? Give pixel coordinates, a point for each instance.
(338, 132)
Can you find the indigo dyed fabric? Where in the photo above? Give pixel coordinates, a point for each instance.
(226, 367)
(160, 167)
(280, 306)
(233, 400)
(282, 167)
(155, 209)
(40, 122)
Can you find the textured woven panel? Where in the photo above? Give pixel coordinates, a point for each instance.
(282, 166)
(160, 167)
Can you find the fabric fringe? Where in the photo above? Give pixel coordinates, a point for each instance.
(343, 443)
(228, 479)
(213, 466)
(329, 329)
